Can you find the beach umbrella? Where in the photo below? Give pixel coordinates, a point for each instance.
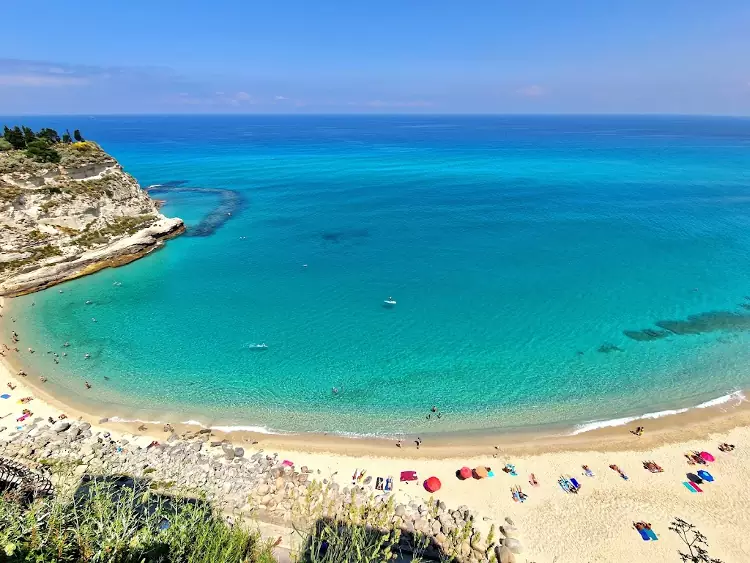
(432, 484)
(464, 473)
(480, 472)
(707, 456)
(693, 478)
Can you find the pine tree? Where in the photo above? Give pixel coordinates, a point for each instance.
(15, 137)
(77, 136)
(66, 137)
(28, 135)
(49, 135)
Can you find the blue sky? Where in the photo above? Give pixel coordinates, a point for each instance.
(436, 56)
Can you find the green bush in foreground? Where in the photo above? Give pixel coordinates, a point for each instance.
(122, 525)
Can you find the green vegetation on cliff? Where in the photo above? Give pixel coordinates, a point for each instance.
(104, 523)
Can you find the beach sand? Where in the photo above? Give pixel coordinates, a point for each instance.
(593, 526)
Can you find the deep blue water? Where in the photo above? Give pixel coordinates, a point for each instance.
(519, 250)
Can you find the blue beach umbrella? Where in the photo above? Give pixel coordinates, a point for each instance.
(4, 396)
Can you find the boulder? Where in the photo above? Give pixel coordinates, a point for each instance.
(239, 452)
(400, 510)
(504, 555)
(465, 549)
(61, 426)
(509, 531)
(514, 545)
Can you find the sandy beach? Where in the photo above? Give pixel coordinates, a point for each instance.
(594, 525)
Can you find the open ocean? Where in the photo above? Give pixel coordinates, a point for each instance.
(549, 271)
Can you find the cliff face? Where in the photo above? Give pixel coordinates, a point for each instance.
(62, 221)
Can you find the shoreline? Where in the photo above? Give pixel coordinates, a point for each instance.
(667, 426)
(603, 512)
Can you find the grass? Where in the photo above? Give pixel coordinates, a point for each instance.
(120, 226)
(74, 155)
(120, 520)
(38, 253)
(122, 524)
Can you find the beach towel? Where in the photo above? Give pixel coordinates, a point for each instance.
(379, 484)
(689, 486)
(408, 476)
(389, 483)
(644, 534)
(652, 534)
(287, 463)
(575, 483)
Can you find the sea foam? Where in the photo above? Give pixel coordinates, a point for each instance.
(738, 396)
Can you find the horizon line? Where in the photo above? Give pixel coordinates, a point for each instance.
(380, 114)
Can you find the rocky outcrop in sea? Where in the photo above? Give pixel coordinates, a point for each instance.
(64, 220)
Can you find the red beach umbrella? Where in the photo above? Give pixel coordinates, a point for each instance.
(464, 473)
(432, 484)
(707, 456)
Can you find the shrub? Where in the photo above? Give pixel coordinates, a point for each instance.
(84, 146)
(41, 152)
(126, 524)
(5, 145)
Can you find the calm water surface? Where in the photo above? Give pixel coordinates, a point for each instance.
(527, 256)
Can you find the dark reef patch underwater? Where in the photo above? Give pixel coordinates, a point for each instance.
(701, 323)
(230, 204)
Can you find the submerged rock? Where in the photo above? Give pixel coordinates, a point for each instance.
(647, 334)
(608, 347)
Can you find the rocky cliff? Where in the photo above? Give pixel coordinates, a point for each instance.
(65, 220)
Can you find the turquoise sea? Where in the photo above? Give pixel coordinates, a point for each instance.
(548, 271)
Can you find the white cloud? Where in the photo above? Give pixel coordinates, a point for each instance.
(393, 104)
(216, 99)
(281, 98)
(36, 80)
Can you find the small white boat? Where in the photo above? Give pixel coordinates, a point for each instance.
(258, 346)
(390, 301)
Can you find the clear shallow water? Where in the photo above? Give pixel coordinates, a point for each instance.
(518, 248)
